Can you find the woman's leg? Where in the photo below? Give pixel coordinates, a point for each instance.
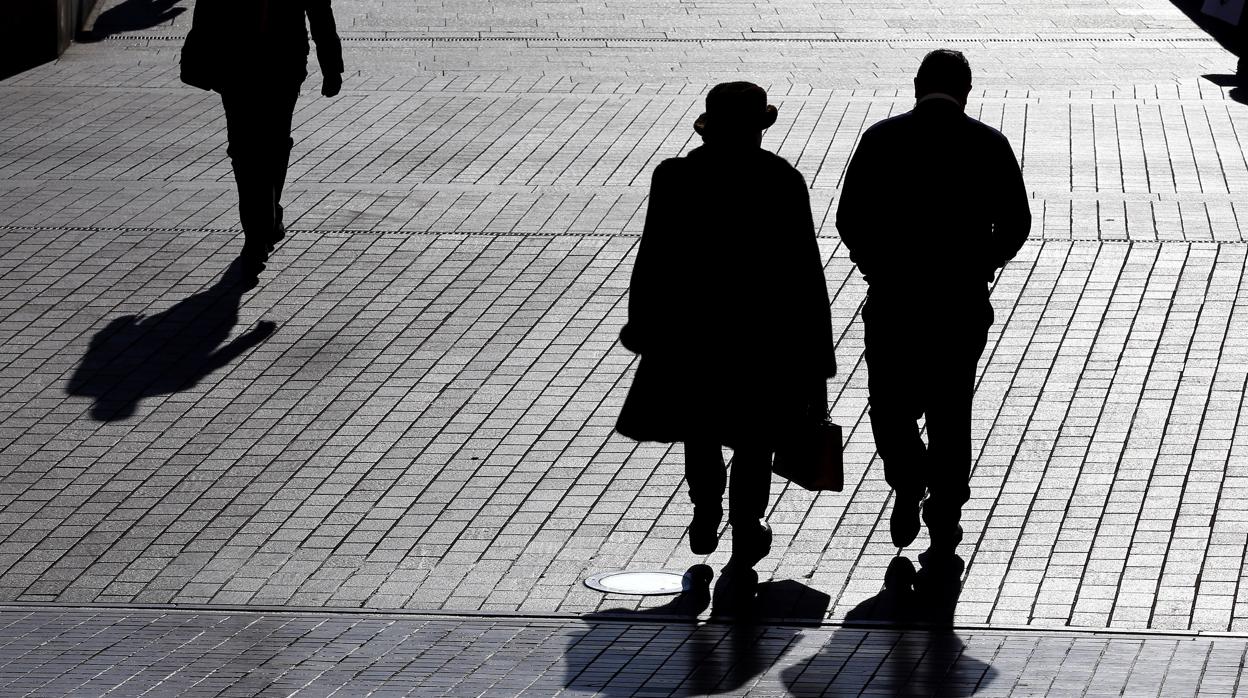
(284, 99)
(748, 491)
(245, 118)
(704, 470)
(750, 486)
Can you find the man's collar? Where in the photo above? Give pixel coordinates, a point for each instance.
(940, 95)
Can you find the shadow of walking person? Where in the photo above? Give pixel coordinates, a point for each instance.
(129, 16)
(626, 652)
(135, 357)
(899, 642)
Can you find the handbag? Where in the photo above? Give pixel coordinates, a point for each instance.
(198, 59)
(1230, 11)
(813, 457)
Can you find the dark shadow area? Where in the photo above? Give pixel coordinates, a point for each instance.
(135, 357)
(751, 628)
(129, 16)
(899, 642)
(1237, 93)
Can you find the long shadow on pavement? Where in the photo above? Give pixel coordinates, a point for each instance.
(131, 15)
(1237, 93)
(135, 357)
(899, 642)
(743, 640)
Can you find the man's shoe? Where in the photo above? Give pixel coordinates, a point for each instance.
(903, 525)
(704, 529)
(279, 234)
(251, 263)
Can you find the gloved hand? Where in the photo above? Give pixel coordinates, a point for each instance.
(332, 85)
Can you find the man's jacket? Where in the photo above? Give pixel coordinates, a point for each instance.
(932, 204)
(250, 43)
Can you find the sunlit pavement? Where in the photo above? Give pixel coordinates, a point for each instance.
(398, 449)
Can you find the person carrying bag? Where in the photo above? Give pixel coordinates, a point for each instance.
(729, 311)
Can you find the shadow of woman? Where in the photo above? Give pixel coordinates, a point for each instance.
(135, 357)
(129, 16)
(899, 642)
(625, 652)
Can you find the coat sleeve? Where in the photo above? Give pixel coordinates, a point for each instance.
(1011, 216)
(325, 34)
(645, 288)
(815, 286)
(857, 206)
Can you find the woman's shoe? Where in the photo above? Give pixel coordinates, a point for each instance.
(750, 543)
(704, 529)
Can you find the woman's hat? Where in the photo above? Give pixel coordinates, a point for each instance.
(735, 106)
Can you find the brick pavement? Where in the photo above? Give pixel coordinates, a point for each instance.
(414, 411)
(237, 653)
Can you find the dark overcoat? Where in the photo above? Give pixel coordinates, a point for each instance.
(258, 43)
(728, 306)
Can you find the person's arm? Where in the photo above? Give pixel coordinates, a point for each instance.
(855, 210)
(328, 46)
(645, 294)
(1011, 220)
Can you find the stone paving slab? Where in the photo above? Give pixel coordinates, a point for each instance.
(428, 426)
(1122, 168)
(414, 410)
(133, 652)
(631, 18)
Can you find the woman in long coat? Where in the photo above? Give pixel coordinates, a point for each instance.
(728, 309)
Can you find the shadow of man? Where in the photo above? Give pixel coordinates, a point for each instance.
(130, 16)
(135, 357)
(899, 642)
(744, 639)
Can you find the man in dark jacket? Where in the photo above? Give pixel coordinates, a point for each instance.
(932, 205)
(255, 53)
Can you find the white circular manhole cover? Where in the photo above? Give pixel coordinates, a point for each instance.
(642, 582)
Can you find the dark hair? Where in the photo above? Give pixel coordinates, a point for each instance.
(943, 70)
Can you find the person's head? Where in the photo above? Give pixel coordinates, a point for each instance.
(737, 113)
(944, 71)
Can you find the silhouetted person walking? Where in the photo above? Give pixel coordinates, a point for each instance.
(729, 311)
(254, 52)
(933, 203)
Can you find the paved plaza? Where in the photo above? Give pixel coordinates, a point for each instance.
(388, 468)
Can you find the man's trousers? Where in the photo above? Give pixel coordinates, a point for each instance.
(921, 360)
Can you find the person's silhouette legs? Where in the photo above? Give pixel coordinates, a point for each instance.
(258, 123)
(948, 409)
(707, 478)
(748, 487)
(920, 365)
(748, 491)
(894, 380)
(949, 456)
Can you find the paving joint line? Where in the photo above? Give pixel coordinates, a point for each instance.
(484, 233)
(348, 37)
(624, 618)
